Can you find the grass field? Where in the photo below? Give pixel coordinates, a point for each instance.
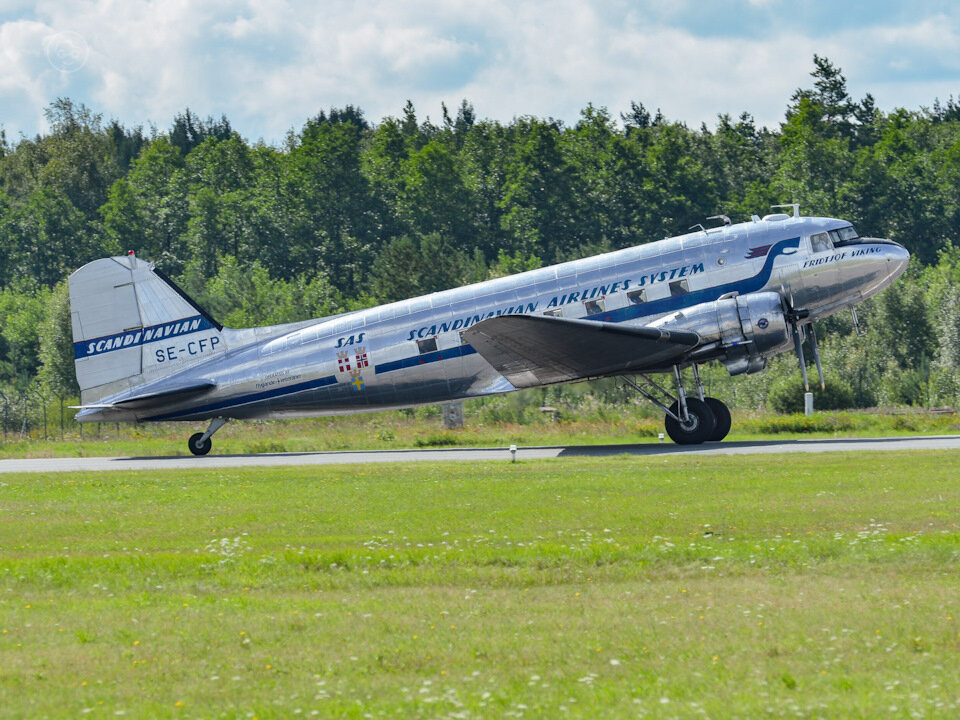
(813, 586)
(599, 425)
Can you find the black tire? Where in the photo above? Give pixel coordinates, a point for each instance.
(196, 447)
(722, 413)
(697, 429)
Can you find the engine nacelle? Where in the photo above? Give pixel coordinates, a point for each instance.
(741, 331)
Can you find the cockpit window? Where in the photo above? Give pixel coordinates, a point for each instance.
(844, 236)
(821, 242)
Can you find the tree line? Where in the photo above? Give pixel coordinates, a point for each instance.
(346, 213)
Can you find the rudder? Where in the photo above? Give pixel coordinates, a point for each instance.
(133, 325)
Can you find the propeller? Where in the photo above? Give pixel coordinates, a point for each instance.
(798, 346)
(794, 316)
(816, 356)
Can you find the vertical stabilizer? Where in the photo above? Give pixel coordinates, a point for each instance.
(132, 325)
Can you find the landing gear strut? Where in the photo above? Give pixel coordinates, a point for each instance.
(688, 421)
(200, 443)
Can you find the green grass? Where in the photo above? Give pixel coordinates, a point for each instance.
(394, 430)
(623, 587)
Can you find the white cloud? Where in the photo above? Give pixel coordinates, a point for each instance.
(270, 64)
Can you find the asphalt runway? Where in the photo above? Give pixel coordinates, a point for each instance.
(99, 464)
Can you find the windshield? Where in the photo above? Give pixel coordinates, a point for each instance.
(844, 236)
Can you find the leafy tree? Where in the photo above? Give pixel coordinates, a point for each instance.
(189, 131)
(901, 326)
(55, 352)
(948, 330)
(413, 138)
(433, 197)
(738, 161)
(588, 150)
(911, 209)
(81, 162)
(678, 187)
(348, 115)
(638, 119)
(221, 213)
(334, 218)
(538, 192)
(382, 162)
(46, 238)
(828, 101)
(513, 264)
(814, 163)
(466, 119)
(22, 308)
(147, 210)
(246, 296)
(411, 266)
(482, 160)
(127, 144)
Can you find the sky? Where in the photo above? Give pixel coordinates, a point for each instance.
(268, 65)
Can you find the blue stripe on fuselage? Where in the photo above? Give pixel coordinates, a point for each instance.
(247, 399)
(678, 302)
(318, 383)
(430, 357)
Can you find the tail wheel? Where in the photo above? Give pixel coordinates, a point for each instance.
(722, 413)
(699, 426)
(198, 448)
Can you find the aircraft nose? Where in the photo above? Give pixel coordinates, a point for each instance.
(899, 257)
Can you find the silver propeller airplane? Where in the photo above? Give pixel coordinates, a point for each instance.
(739, 294)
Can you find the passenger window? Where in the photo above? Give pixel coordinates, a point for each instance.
(637, 297)
(428, 345)
(821, 242)
(554, 312)
(593, 307)
(679, 287)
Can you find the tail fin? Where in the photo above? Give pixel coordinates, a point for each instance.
(133, 325)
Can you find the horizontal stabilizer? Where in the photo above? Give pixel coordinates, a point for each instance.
(157, 397)
(532, 350)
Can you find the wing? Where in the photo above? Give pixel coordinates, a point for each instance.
(531, 350)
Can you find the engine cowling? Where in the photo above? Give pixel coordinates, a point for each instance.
(741, 331)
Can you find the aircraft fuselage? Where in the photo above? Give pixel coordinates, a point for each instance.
(411, 352)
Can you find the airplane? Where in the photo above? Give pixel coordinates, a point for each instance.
(735, 293)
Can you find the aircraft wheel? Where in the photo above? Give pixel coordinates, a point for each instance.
(722, 413)
(198, 448)
(698, 428)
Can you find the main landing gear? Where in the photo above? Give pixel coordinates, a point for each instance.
(689, 421)
(200, 443)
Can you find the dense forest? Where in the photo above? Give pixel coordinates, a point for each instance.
(349, 213)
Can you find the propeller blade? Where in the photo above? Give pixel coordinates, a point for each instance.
(793, 316)
(856, 322)
(798, 346)
(816, 356)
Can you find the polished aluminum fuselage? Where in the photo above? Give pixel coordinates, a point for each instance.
(384, 357)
